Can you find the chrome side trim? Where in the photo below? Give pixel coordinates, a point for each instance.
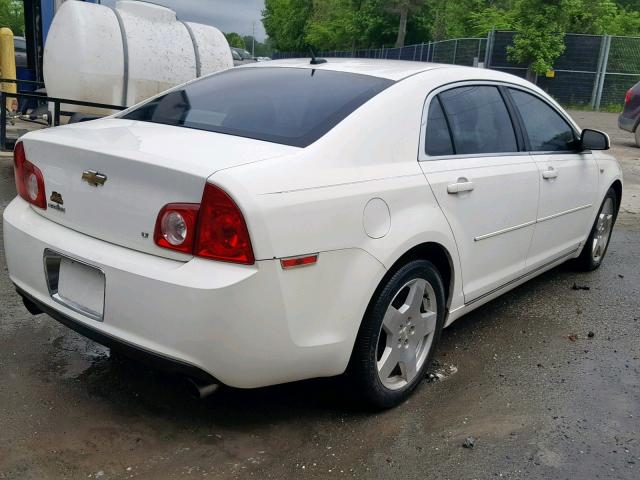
(528, 224)
(504, 230)
(523, 276)
(556, 215)
(463, 156)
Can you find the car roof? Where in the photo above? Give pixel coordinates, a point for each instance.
(390, 69)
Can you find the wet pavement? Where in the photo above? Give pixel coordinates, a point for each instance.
(522, 375)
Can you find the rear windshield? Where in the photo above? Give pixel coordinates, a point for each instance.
(291, 106)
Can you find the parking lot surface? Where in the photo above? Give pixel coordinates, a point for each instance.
(546, 379)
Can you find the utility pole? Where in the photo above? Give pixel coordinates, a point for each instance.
(253, 40)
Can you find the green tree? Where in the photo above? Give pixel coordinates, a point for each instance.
(285, 21)
(349, 24)
(593, 16)
(626, 22)
(262, 49)
(235, 40)
(352, 24)
(540, 29)
(404, 8)
(332, 25)
(484, 20)
(12, 16)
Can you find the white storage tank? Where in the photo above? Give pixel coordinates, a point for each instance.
(123, 56)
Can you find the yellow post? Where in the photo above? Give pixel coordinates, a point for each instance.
(8, 66)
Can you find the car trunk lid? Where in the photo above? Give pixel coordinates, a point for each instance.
(110, 178)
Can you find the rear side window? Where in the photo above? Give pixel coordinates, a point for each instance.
(479, 120)
(292, 106)
(438, 139)
(547, 130)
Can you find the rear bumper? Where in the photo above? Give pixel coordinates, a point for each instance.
(246, 326)
(626, 123)
(154, 359)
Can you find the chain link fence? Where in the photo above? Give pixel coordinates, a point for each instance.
(460, 51)
(594, 71)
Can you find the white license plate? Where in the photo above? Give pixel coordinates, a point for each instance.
(76, 285)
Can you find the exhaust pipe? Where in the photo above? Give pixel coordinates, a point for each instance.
(201, 390)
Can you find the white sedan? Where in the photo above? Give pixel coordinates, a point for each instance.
(284, 221)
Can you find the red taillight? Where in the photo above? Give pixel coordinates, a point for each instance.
(222, 231)
(176, 226)
(214, 229)
(29, 179)
(627, 97)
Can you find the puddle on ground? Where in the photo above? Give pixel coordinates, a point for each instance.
(73, 355)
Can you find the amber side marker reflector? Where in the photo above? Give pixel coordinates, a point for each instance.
(294, 262)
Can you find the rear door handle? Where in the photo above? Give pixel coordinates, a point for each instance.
(463, 185)
(550, 174)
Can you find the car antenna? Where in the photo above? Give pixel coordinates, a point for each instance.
(314, 59)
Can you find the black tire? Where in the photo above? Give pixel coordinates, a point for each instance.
(363, 371)
(586, 262)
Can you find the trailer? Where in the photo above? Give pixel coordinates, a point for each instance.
(141, 50)
(38, 16)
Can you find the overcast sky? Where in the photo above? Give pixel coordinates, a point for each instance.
(227, 15)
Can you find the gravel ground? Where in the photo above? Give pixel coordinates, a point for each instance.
(523, 375)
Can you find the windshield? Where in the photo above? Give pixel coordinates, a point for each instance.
(291, 106)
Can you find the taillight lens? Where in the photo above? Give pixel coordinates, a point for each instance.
(29, 178)
(214, 229)
(627, 97)
(222, 231)
(176, 226)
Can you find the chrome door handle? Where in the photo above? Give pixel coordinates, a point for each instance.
(463, 185)
(550, 174)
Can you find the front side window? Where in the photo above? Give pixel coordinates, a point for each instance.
(479, 120)
(546, 129)
(291, 106)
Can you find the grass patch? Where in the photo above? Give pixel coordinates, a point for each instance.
(610, 108)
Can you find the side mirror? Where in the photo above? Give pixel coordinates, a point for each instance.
(594, 140)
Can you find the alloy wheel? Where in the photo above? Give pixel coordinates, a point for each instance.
(602, 234)
(407, 333)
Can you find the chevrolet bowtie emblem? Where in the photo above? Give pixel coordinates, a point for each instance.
(93, 178)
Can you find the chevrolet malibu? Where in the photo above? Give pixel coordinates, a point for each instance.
(288, 220)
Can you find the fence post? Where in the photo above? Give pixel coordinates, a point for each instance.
(56, 113)
(603, 62)
(455, 51)
(421, 51)
(488, 53)
(415, 51)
